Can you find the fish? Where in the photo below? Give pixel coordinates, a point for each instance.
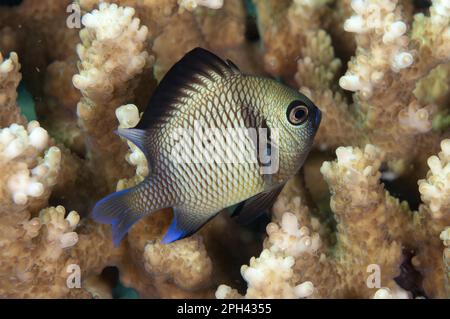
(214, 137)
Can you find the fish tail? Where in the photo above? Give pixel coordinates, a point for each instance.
(117, 209)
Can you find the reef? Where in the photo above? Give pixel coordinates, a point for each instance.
(368, 216)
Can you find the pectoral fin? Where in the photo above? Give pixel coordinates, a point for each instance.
(184, 224)
(136, 136)
(253, 207)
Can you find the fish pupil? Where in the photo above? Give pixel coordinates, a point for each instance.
(297, 113)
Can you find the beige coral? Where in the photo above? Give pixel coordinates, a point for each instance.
(271, 275)
(386, 293)
(19, 229)
(9, 81)
(445, 237)
(285, 27)
(128, 117)
(344, 269)
(36, 251)
(432, 219)
(39, 254)
(379, 82)
(192, 4)
(274, 274)
(186, 262)
(358, 201)
(29, 165)
(435, 189)
(391, 58)
(108, 80)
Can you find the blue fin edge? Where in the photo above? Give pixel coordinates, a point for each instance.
(173, 233)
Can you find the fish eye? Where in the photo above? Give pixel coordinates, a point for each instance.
(297, 113)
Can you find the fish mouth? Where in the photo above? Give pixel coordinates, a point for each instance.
(317, 118)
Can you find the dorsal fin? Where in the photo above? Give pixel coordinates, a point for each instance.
(198, 68)
(233, 66)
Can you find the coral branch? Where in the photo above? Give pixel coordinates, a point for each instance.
(445, 237)
(271, 275)
(185, 262)
(432, 219)
(9, 81)
(27, 174)
(112, 56)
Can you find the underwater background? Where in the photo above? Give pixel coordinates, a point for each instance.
(368, 215)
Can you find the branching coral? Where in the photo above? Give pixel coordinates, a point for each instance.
(192, 4)
(445, 236)
(355, 182)
(36, 252)
(372, 229)
(285, 27)
(9, 80)
(25, 172)
(271, 275)
(435, 189)
(433, 218)
(128, 117)
(383, 52)
(387, 65)
(125, 39)
(185, 262)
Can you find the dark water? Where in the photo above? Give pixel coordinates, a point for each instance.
(10, 3)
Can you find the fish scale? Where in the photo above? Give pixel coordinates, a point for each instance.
(201, 89)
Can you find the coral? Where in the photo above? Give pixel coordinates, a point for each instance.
(386, 293)
(271, 275)
(282, 21)
(445, 236)
(371, 221)
(128, 117)
(37, 251)
(358, 201)
(40, 253)
(27, 174)
(9, 80)
(186, 262)
(383, 74)
(125, 39)
(434, 217)
(192, 4)
(435, 189)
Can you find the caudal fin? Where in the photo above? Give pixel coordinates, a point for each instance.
(116, 209)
